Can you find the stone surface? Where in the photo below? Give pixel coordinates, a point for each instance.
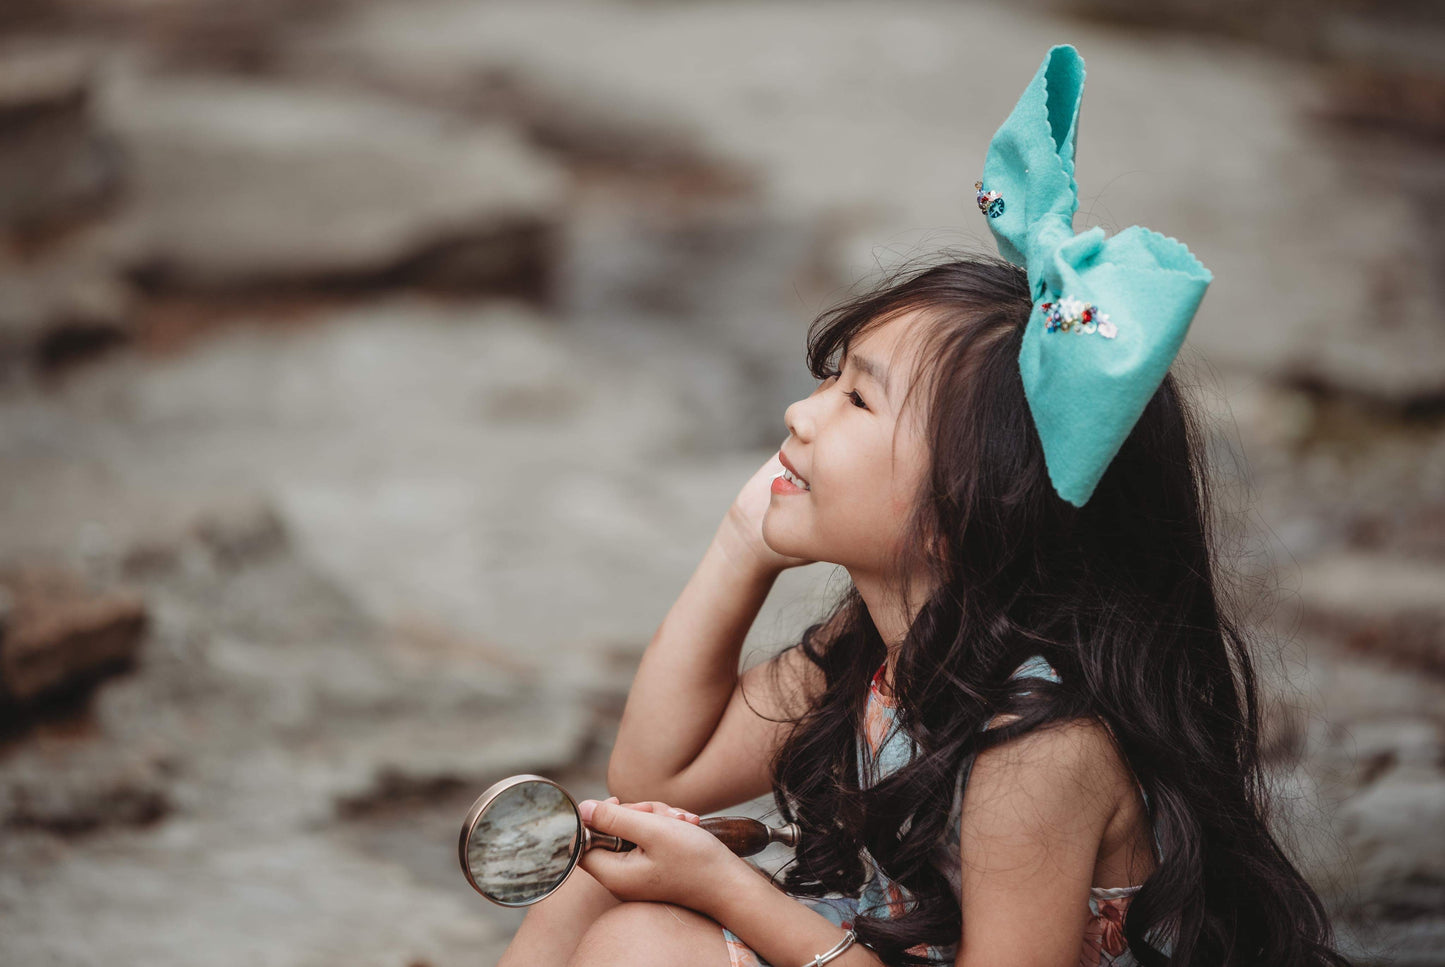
(61, 304)
(59, 635)
(397, 545)
(1361, 806)
(54, 782)
(242, 184)
(55, 162)
(231, 894)
(879, 117)
(268, 710)
(1380, 603)
(309, 674)
(1394, 830)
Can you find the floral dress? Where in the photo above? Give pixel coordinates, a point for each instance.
(887, 749)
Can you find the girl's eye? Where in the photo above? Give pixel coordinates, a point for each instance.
(852, 394)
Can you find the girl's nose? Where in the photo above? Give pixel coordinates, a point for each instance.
(795, 417)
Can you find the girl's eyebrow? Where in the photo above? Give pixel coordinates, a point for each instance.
(875, 370)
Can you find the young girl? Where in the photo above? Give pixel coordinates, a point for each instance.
(1027, 733)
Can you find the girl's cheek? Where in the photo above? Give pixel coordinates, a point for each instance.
(900, 504)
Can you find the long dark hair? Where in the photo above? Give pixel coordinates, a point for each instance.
(1119, 596)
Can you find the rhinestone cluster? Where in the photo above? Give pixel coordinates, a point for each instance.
(989, 202)
(1071, 314)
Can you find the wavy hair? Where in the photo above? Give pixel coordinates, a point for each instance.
(1119, 596)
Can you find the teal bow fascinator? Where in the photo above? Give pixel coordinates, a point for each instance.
(1109, 314)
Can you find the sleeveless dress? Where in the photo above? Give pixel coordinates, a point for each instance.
(885, 749)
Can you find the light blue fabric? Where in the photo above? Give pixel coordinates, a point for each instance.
(1084, 389)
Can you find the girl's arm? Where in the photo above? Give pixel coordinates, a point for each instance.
(676, 862)
(1035, 810)
(780, 929)
(687, 736)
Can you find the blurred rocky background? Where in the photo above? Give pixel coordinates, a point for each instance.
(373, 374)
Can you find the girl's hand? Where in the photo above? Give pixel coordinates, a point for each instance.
(742, 528)
(674, 862)
(652, 806)
(662, 809)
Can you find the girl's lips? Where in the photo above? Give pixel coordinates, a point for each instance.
(782, 485)
(783, 459)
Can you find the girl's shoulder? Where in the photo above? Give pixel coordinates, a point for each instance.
(1110, 756)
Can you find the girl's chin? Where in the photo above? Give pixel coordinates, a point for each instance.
(777, 543)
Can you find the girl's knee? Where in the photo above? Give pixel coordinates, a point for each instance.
(640, 934)
(553, 928)
(579, 900)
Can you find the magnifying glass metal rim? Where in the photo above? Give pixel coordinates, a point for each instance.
(743, 835)
(474, 815)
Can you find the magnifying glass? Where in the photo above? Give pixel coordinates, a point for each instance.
(524, 835)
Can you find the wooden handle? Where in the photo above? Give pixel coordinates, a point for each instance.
(740, 834)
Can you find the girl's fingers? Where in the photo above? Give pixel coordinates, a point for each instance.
(607, 817)
(663, 809)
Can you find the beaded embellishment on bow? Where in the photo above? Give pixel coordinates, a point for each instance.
(1071, 314)
(989, 202)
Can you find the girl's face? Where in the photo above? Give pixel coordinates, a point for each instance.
(862, 455)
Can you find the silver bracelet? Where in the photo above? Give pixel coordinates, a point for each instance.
(848, 940)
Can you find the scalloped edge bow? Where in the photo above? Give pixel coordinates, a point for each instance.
(1109, 314)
